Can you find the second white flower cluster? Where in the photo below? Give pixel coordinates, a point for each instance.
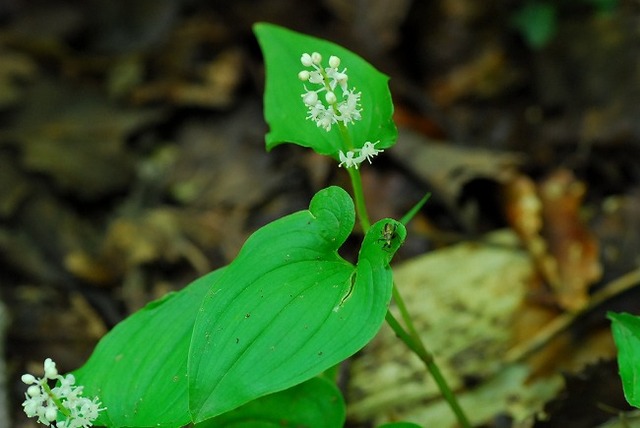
(353, 158)
(62, 406)
(333, 83)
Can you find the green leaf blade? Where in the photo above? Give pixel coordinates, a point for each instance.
(273, 322)
(626, 334)
(286, 113)
(315, 403)
(138, 370)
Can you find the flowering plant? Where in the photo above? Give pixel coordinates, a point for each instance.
(258, 340)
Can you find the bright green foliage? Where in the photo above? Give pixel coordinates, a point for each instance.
(289, 307)
(315, 403)
(286, 309)
(626, 334)
(139, 369)
(285, 111)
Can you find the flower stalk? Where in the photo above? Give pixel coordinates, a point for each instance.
(327, 113)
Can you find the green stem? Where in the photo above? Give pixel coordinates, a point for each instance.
(411, 337)
(427, 358)
(55, 399)
(404, 313)
(358, 193)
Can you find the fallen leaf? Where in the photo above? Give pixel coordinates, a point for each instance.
(548, 219)
(570, 242)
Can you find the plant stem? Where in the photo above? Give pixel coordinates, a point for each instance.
(411, 337)
(427, 358)
(361, 206)
(55, 399)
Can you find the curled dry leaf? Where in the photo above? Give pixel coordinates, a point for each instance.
(547, 218)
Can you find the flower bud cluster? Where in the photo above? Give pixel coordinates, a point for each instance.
(353, 158)
(64, 401)
(331, 101)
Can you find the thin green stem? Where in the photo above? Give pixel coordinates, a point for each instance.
(404, 313)
(427, 358)
(356, 183)
(358, 193)
(410, 336)
(55, 399)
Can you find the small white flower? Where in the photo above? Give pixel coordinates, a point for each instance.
(50, 370)
(337, 78)
(315, 77)
(310, 98)
(306, 60)
(334, 61)
(353, 158)
(369, 150)
(34, 391)
(330, 97)
(51, 414)
(350, 108)
(348, 160)
(303, 75)
(316, 58)
(28, 379)
(325, 122)
(322, 115)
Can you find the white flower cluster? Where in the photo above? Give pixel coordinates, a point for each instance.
(327, 111)
(353, 158)
(347, 110)
(65, 399)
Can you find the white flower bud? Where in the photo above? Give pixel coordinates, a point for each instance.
(334, 61)
(34, 391)
(28, 379)
(306, 60)
(303, 75)
(330, 97)
(316, 58)
(50, 370)
(310, 98)
(51, 414)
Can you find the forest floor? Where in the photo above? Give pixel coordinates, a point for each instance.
(132, 161)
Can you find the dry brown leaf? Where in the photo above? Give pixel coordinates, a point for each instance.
(570, 242)
(548, 220)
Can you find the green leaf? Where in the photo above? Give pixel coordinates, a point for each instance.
(139, 369)
(285, 111)
(537, 21)
(315, 403)
(289, 307)
(626, 334)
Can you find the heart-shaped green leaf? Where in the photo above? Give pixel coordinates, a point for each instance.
(289, 307)
(285, 111)
(315, 403)
(626, 334)
(139, 369)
